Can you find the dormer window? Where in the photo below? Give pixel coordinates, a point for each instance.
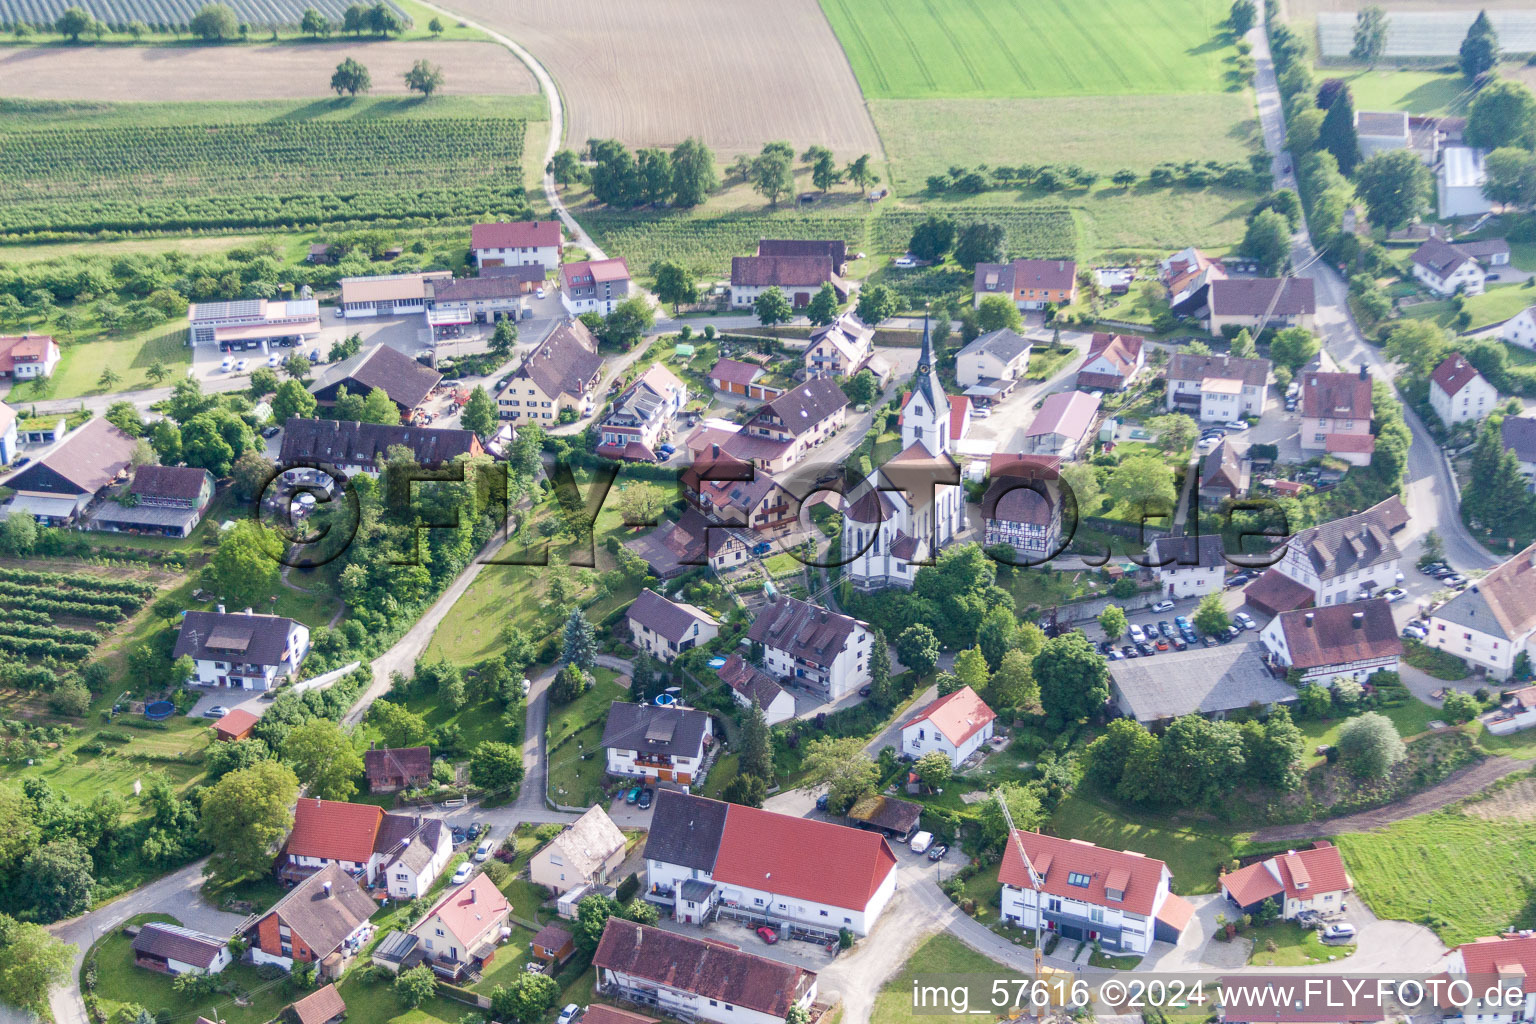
(1079, 879)
(1118, 895)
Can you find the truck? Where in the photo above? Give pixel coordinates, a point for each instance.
(922, 841)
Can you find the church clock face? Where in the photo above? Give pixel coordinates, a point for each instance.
(922, 367)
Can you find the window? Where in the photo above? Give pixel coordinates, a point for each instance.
(823, 913)
(1078, 879)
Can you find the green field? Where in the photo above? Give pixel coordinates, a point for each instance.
(916, 48)
(942, 954)
(1472, 876)
(1418, 92)
(1192, 857)
(81, 365)
(1497, 304)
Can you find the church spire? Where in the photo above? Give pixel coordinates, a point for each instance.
(926, 380)
(926, 417)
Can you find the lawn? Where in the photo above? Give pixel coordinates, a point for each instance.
(1295, 946)
(908, 49)
(526, 898)
(1192, 857)
(375, 1002)
(942, 954)
(1427, 93)
(577, 770)
(119, 982)
(1045, 361)
(1467, 876)
(1435, 661)
(1044, 587)
(82, 364)
(588, 709)
(1497, 304)
(508, 963)
(1411, 718)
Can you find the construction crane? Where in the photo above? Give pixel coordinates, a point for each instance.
(1034, 880)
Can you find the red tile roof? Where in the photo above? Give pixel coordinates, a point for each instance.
(733, 371)
(516, 235)
(1057, 274)
(468, 910)
(1252, 884)
(1331, 635)
(1056, 859)
(1493, 957)
(781, 271)
(235, 724)
(1123, 350)
(576, 275)
(1299, 874)
(332, 830)
(1364, 443)
(1175, 912)
(1453, 374)
(958, 716)
(768, 851)
(1275, 592)
(319, 1006)
(1336, 396)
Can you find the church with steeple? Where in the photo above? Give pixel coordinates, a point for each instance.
(911, 507)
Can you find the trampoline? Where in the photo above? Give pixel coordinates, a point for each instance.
(159, 710)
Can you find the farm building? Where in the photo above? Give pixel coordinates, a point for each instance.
(61, 485)
(388, 294)
(168, 501)
(798, 277)
(1460, 186)
(519, 243)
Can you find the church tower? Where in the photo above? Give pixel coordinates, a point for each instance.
(925, 420)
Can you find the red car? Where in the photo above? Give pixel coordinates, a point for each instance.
(768, 935)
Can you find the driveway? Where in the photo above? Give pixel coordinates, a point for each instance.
(246, 700)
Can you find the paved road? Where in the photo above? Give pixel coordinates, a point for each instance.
(1431, 494)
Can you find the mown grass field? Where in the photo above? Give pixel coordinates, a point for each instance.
(1469, 876)
(1418, 92)
(1192, 857)
(81, 365)
(941, 954)
(915, 48)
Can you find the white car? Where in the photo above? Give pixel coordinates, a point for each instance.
(904, 261)
(274, 360)
(462, 875)
(568, 1014)
(484, 850)
(539, 293)
(1415, 632)
(1207, 443)
(226, 364)
(1340, 932)
(1243, 619)
(1395, 594)
(1163, 606)
(1137, 636)
(1236, 425)
(241, 364)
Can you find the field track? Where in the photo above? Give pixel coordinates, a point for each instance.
(736, 73)
(282, 71)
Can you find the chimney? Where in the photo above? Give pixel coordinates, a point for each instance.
(327, 888)
(1358, 620)
(473, 892)
(1363, 374)
(219, 608)
(714, 450)
(1308, 619)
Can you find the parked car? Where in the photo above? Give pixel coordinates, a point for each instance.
(1236, 425)
(1106, 646)
(921, 841)
(1234, 631)
(633, 796)
(314, 355)
(1455, 579)
(1394, 595)
(1161, 644)
(1179, 643)
(539, 293)
(217, 711)
(865, 691)
(821, 802)
(462, 875)
(271, 432)
(1182, 621)
(904, 261)
(1146, 649)
(1237, 580)
(1205, 444)
(938, 852)
(1114, 655)
(768, 935)
(1137, 634)
(1245, 620)
(1341, 931)
(1163, 606)
(484, 850)
(1209, 640)
(644, 802)
(226, 365)
(241, 364)
(1127, 651)
(274, 360)
(568, 1014)
(1164, 628)
(1412, 632)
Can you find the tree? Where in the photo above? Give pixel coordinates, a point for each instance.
(917, 648)
(1337, 134)
(1243, 346)
(313, 23)
(503, 337)
(1117, 747)
(383, 21)
(245, 815)
(1293, 347)
(773, 175)
(435, 26)
(378, 407)
(693, 173)
(1510, 177)
(841, 765)
(73, 23)
(1369, 745)
(1268, 240)
(876, 303)
(578, 644)
(323, 758)
(415, 986)
(1419, 344)
(641, 504)
(1431, 549)
(1370, 35)
(592, 914)
(565, 167)
(351, 77)
(1073, 679)
(479, 415)
(996, 312)
(881, 689)
(860, 173)
(971, 669)
(292, 401)
(526, 997)
(1023, 806)
(1112, 622)
(1461, 707)
(1242, 16)
(263, 382)
(755, 747)
(772, 307)
(933, 237)
(1274, 758)
(1199, 760)
(398, 725)
(251, 473)
(32, 964)
(18, 534)
(1175, 431)
(1396, 187)
(1503, 114)
(54, 880)
(425, 78)
(1081, 480)
(628, 323)
(979, 243)
(214, 22)
(933, 770)
(109, 379)
(995, 636)
(1013, 684)
(823, 306)
(674, 283)
(165, 438)
(1145, 483)
(747, 790)
(1211, 615)
(1479, 49)
(496, 767)
(1302, 129)
(245, 566)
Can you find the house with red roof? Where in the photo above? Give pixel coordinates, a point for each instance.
(798, 278)
(706, 859)
(516, 244)
(404, 852)
(1297, 880)
(955, 725)
(1086, 893)
(1113, 361)
(236, 725)
(1031, 284)
(594, 286)
(463, 930)
(1336, 415)
(1458, 393)
(1505, 963)
(27, 356)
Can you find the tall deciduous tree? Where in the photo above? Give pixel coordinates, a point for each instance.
(245, 816)
(773, 175)
(693, 173)
(823, 306)
(674, 283)
(1370, 35)
(1211, 615)
(981, 242)
(1369, 745)
(1241, 16)
(32, 964)
(245, 566)
(1073, 678)
(1013, 684)
(497, 767)
(351, 77)
(292, 399)
(425, 78)
(996, 312)
(1503, 114)
(323, 758)
(1396, 187)
(841, 765)
(918, 649)
(1112, 621)
(1267, 240)
(876, 303)
(772, 307)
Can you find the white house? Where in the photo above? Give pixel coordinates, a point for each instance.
(1334, 562)
(798, 278)
(463, 930)
(244, 650)
(1190, 566)
(1112, 362)
(956, 726)
(388, 294)
(664, 629)
(1520, 329)
(1445, 269)
(825, 652)
(1488, 624)
(1022, 504)
(691, 979)
(1458, 393)
(1461, 179)
(9, 437)
(667, 744)
(1216, 388)
(594, 286)
(1000, 355)
(588, 852)
(1297, 880)
(642, 415)
(28, 356)
(517, 244)
(1380, 131)
(749, 684)
(1354, 640)
(706, 859)
(1504, 963)
(1086, 893)
(840, 348)
(172, 949)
